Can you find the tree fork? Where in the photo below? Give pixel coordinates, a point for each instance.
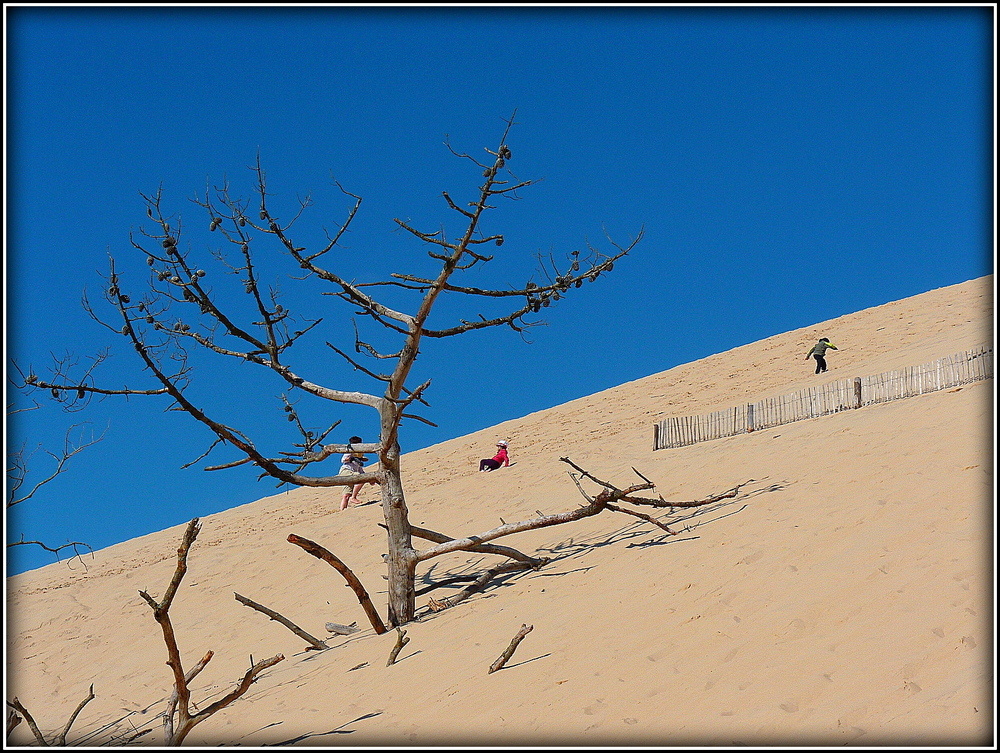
(181, 697)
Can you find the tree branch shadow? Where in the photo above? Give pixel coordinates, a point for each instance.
(634, 534)
(526, 661)
(334, 731)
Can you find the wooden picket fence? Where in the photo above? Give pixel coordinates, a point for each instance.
(846, 394)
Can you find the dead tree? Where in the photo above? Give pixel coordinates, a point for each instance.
(182, 307)
(179, 704)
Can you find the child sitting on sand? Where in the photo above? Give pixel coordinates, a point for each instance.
(500, 459)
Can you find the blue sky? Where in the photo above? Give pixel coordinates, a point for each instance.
(787, 165)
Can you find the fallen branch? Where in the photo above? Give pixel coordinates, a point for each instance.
(61, 738)
(503, 551)
(314, 643)
(13, 719)
(438, 605)
(352, 580)
(661, 502)
(469, 543)
(401, 640)
(16, 705)
(509, 651)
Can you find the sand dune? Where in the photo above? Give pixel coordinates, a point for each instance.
(842, 598)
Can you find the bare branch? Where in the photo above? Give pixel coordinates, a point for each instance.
(61, 738)
(242, 687)
(181, 697)
(503, 551)
(352, 580)
(16, 705)
(55, 550)
(438, 605)
(18, 469)
(729, 494)
(401, 640)
(462, 544)
(509, 651)
(314, 643)
(643, 516)
(168, 716)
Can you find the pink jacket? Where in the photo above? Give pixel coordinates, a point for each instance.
(501, 456)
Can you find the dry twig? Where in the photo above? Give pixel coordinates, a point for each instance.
(509, 651)
(61, 738)
(401, 640)
(16, 705)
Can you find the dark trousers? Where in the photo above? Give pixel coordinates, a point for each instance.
(820, 362)
(489, 464)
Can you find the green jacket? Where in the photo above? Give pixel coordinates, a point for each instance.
(820, 348)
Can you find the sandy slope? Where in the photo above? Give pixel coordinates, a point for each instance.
(844, 597)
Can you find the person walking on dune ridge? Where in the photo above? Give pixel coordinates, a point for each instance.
(818, 351)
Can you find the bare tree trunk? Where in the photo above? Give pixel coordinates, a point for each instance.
(402, 560)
